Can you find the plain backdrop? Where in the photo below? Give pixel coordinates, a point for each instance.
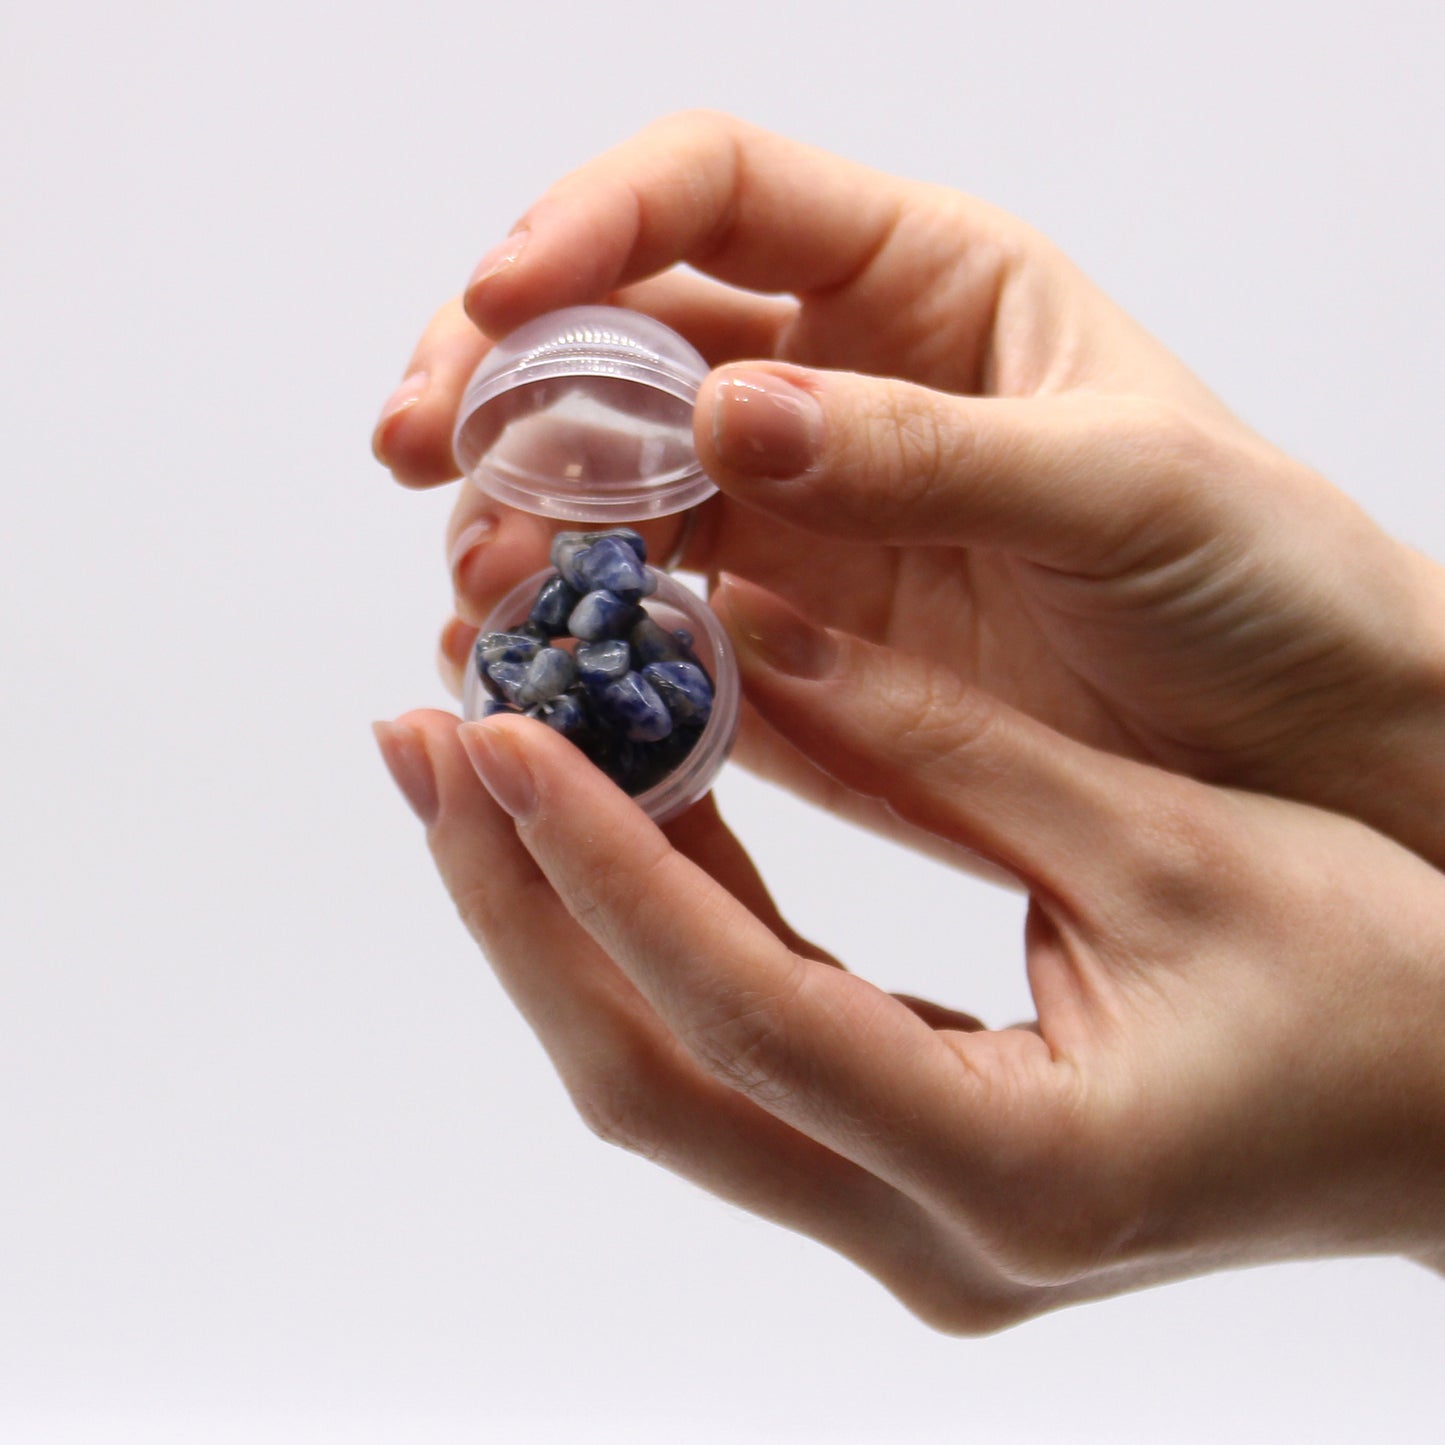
(277, 1160)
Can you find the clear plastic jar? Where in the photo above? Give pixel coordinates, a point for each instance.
(585, 414)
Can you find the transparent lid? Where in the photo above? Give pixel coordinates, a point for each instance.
(586, 414)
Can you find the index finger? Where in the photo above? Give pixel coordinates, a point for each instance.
(732, 200)
(821, 1049)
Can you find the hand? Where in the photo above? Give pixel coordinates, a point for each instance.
(1025, 487)
(1240, 1000)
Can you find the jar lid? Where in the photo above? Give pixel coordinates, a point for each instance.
(586, 414)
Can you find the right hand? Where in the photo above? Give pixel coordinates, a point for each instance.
(1239, 1000)
(996, 468)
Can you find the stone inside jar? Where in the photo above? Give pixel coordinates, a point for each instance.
(591, 662)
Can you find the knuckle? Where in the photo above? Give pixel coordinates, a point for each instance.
(478, 911)
(1185, 455)
(1173, 438)
(912, 446)
(618, 1111)
(939, 719)
(1058, 1201)
(742, 1039)
(970, 1315)
(1188, 847)
(692, 124)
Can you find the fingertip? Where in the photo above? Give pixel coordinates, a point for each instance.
(405, 398)
(413, 442)
(760, 422)
(485, 294)
(408, 760)
(499, 755)
(772, 634)
(453, 647)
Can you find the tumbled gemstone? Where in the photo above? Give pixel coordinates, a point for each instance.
(512, 645)
(633, 540)
(599, 663)
(504, 679)
(684, 689)
(567, 547)
(632, 705)
(549, 675)
(651, 642)
(565, 714)
(493, 706)
(610, 565)
(649, 763)
(554, 606)
(601, 614)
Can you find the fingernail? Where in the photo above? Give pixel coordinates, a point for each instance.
(765, 426)
(776, 634)
(501, 767)
(502, 255)
(402, 399)
(472, 536)
(406, 757)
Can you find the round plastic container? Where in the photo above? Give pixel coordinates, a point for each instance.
(586, 414)
(672, 606)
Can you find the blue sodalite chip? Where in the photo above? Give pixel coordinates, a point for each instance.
(554, 606)
(610, 565)
(633, 540)
(652, 642)
(549, 675)
(632, 705)
(601, 614)
(599, 663)
(632, 695)
(505, 680)
(565, 714)
(567, 547)
(510, 646)
(684, 688)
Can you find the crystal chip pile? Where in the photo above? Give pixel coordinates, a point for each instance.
(591, 662)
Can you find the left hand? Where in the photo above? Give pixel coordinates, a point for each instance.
(1239, 999)
(1003, 472)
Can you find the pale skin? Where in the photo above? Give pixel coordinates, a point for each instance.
(1065, 561)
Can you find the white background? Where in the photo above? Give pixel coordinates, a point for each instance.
(277, 1161)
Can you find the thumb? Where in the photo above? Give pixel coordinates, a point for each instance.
(1073, 481)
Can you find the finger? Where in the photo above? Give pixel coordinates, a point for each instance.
(939, 1016)
(491, 548)
(763, 750)
(1079, 482)
(413, 436)
(630, 1081)
(723, 323)
(820, 1049)
(454, 647)
(944, 756)
(747, 207)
